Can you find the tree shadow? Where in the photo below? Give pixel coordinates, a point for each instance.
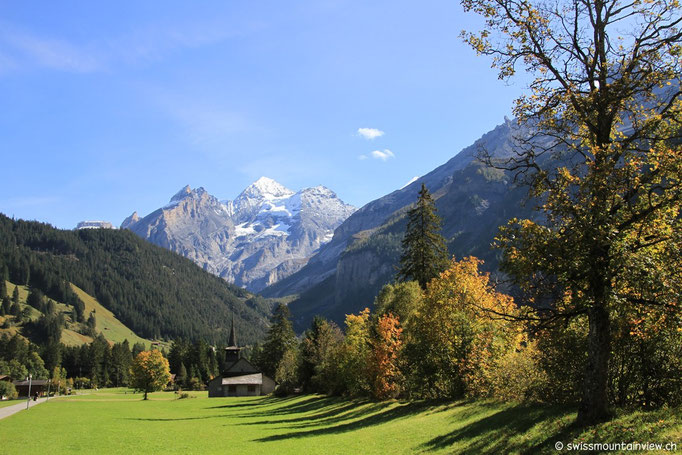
(169, 419)
(267, 401)
(307, 405)
(376, 414)
(495, 433)
(320, 416)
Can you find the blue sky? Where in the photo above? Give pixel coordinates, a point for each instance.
(111, 107)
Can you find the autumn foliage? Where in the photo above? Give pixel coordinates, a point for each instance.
(149, 372)
(384, 358)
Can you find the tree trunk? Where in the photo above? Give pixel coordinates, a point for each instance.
(145, 394)
(594, 407)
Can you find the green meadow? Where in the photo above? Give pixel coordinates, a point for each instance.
(117, 421)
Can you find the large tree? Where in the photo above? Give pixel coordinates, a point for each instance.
(424, 252)
(602, 155)
(149, 372)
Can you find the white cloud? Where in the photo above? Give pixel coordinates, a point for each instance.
(24, 48)
(370, 133)
(49, 52)
(382, 155)
(362, 157)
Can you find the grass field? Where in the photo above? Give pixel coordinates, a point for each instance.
(113, 421)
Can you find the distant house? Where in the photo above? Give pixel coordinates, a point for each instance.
(95, 225)
(38, 386)
(239, 378)
(5, 377)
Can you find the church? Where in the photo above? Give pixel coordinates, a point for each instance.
(239, 378)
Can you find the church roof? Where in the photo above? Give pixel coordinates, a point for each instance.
(256, 378)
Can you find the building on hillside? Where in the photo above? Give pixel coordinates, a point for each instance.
(38, 387)
(239, 378)
(95, 225)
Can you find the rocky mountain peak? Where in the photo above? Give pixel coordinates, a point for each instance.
(183, 193)
(268, 232)
(128, 222)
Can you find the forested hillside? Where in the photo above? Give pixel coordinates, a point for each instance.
(156, 293)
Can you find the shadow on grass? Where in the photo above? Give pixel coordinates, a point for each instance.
(306, 405)
(267, 401)
(504, 431)
(331, 412)
(140, 419)
(374, 414)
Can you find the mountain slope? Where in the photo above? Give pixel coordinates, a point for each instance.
(268, 232)
(154, 292)
(472, 200)
(73, 334)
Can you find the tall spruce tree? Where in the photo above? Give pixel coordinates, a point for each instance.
(280, 339)
(425, 254)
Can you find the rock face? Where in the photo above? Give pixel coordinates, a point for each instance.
(473, 200)
(267, 233)
(132, 219)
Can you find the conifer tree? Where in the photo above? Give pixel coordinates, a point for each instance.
(425, 254)
(280, 339)
(6, 305)
(181, 377)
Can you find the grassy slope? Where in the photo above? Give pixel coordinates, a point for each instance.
(113, 329)
(113, 422)
(106, 323)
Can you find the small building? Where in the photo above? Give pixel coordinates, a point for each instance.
(38, 386)
(239, 377)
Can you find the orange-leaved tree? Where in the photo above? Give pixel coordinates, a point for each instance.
(384, 359)
(149, 372)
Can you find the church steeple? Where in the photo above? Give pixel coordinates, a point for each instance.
(232, 350)
(233, 338)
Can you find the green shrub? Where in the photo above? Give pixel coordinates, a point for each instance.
(7, 390)
(517, 375)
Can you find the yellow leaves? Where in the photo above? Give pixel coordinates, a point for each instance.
(150, 371)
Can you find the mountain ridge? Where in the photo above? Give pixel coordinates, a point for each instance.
(346, 274)
(266, 233)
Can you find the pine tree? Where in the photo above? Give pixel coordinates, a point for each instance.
(424, 252)
(280, 339)
(15, 295)
(6, 305)
(181, 377)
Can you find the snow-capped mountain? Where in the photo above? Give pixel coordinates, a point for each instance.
(267, 233)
